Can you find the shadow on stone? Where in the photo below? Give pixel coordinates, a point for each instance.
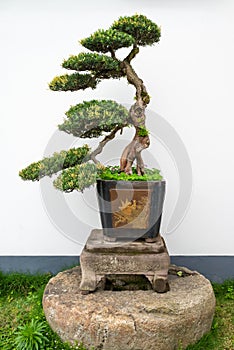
(127, 282)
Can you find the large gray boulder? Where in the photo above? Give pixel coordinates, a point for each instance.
(131, 320)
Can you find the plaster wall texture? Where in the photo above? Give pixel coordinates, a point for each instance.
(189, 76)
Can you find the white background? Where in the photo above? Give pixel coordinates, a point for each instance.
(190, 77)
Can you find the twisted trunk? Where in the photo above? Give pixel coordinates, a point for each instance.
(132, 152)
(137, 117)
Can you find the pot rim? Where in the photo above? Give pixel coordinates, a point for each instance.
(134, 181)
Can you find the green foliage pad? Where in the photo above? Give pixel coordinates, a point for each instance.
(92, 118)
(73, 82)
(51, 165)
(101, 66)
(107, 40)
(77, 178)
(144, 31)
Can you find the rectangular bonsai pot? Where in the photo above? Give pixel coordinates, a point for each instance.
(130, 209)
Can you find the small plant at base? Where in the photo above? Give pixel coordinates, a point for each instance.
(31, 336)
(180, 273)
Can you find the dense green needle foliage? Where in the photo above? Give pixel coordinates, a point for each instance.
(144, 31)
(73, 82)
(105, 40)
(92, 118)
(101, 66)
(51, 165)
(77, 178)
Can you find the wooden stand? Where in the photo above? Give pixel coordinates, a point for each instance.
(100, 258)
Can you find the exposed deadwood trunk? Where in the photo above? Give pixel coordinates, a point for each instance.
(132, 152)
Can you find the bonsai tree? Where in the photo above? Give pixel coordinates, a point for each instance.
(92, 119)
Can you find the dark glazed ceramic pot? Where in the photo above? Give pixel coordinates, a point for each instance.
(130, 209)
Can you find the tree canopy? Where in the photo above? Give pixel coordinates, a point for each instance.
(136, 30)
(97, 118)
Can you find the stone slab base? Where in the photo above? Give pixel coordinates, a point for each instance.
(100, 259)
(131, 320)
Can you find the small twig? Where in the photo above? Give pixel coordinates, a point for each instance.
(112, 51)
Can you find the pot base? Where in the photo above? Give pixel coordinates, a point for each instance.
(100, 258)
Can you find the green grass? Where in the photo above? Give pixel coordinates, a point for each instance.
(221, 336)
(22, 321)
(23, 324)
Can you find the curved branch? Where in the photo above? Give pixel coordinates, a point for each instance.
(135, 50)
(102, 143)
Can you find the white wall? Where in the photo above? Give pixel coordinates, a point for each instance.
(190, 77)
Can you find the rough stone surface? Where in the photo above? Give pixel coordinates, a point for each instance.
(97, 243)
(100, 259)
(130, 320)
